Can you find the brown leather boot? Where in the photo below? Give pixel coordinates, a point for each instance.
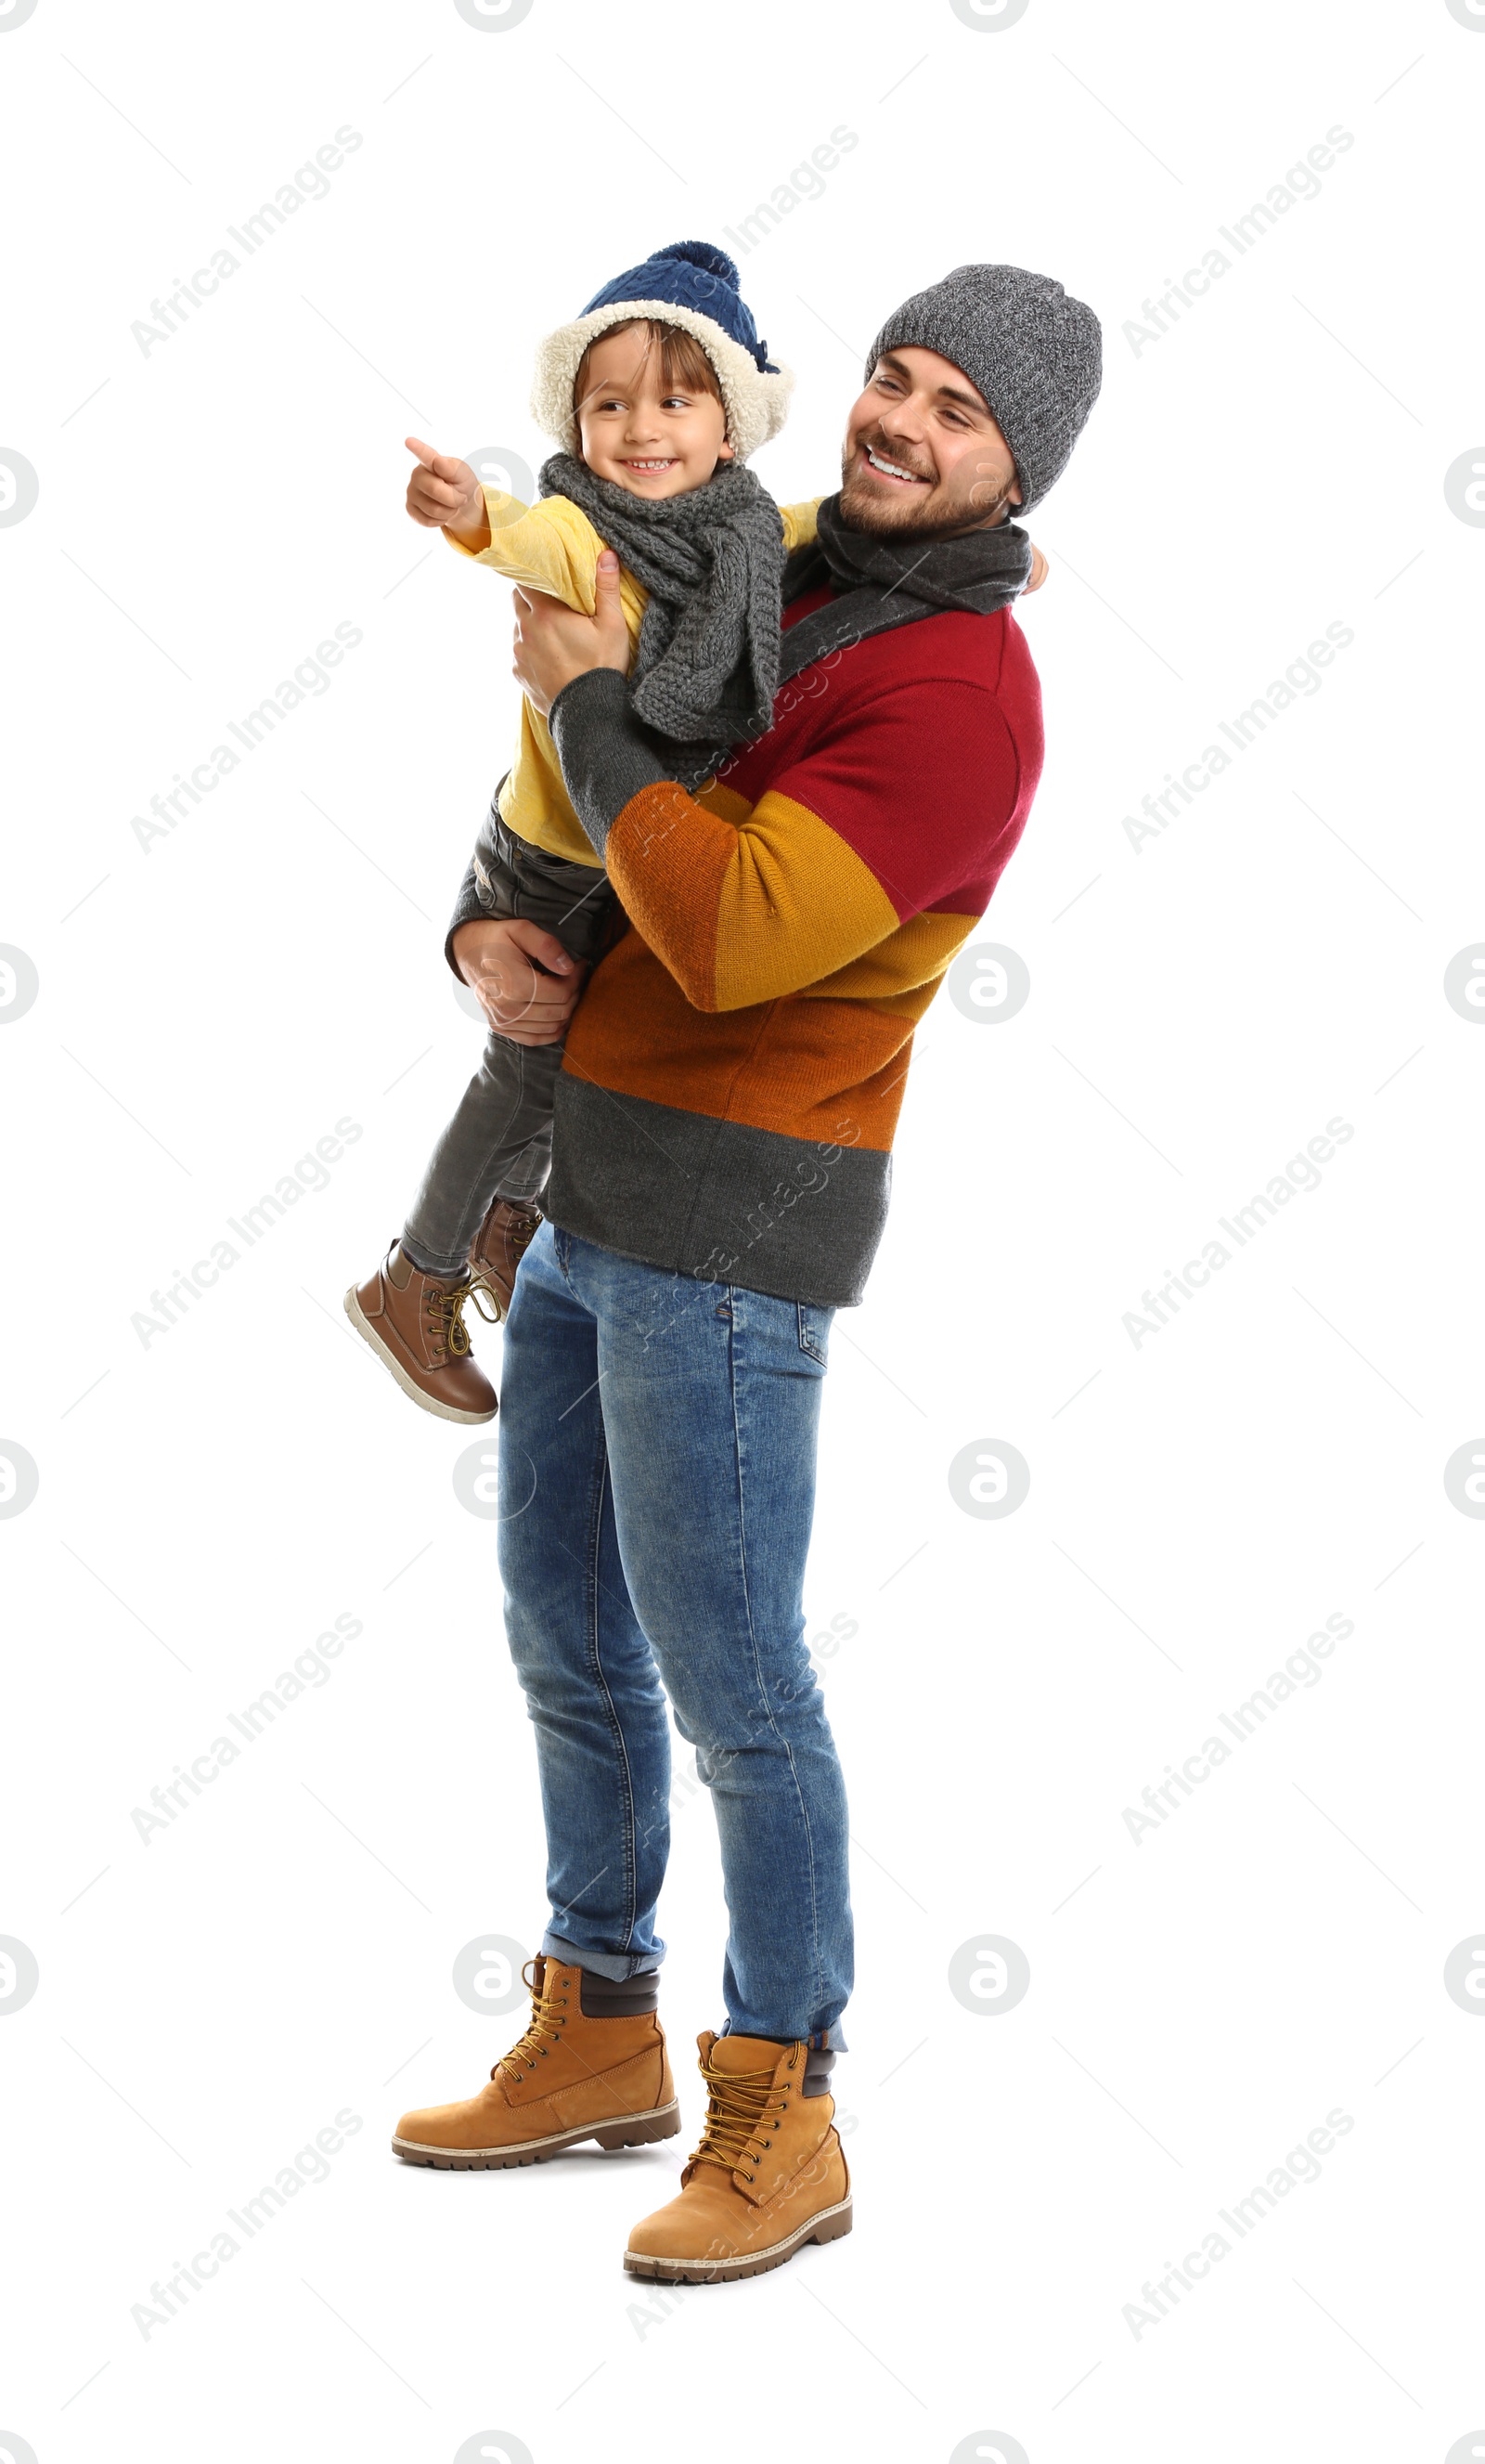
(768, 2176)
(571, 2076)
(498, 1247)
(415, 1322)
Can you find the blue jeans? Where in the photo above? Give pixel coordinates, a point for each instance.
(657, 1486)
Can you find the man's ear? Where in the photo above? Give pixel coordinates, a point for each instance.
(1014, 492)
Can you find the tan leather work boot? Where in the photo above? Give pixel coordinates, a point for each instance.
(571, 2076)
(415, 1322)
(768, 2176)
(498, 1247)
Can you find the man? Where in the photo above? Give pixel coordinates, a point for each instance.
(721, 1168)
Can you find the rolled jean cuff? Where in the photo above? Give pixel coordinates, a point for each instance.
(431, 1261)
(618, 1965)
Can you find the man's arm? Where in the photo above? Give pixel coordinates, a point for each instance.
(906, 806)
(880, 821)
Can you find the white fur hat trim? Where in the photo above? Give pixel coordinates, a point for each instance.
(756, 405)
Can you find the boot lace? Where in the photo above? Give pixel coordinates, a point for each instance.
(548, 2016)
(738, 2105)
(446, 1315)
(524, 1226)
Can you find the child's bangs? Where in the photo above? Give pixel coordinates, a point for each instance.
(682, 362)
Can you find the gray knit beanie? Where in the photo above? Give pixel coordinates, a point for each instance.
(1035, 354)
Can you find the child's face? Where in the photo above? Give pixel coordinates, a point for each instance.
(654, 439)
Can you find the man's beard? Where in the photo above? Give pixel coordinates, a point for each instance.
(917, 516)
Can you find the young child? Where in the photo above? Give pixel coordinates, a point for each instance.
(658, 394)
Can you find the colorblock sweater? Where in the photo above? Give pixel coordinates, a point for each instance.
(735, 1070)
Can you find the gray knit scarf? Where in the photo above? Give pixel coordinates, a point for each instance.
(706, 667)
(881, 581)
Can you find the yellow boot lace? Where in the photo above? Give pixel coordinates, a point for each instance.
(738, 2105)
(548, 2016)
(446, 1315)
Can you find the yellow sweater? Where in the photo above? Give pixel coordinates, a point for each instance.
(552, 546)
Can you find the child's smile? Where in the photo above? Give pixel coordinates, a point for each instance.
(653, 437)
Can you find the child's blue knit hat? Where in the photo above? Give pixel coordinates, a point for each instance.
(691, 285)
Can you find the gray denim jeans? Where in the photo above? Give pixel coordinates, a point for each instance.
(499, 1141)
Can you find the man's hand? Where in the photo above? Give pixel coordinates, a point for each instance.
(523, 977)
(444, 493)
(553, 643)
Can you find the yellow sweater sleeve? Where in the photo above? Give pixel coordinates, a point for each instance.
(798, 522)
(552, 546)
(549, 546)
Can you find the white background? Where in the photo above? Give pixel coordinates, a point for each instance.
(211, 1500)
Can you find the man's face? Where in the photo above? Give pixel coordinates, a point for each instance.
(922, 453)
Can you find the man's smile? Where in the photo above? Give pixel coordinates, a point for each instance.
(894, 471)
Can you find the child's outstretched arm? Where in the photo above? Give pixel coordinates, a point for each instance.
(444, 493)
(548, 546)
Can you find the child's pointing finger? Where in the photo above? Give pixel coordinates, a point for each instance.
(444, 493)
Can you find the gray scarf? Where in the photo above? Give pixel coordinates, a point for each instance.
(882, 581)
(706, 667)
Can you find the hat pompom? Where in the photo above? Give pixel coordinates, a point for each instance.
(702, 254)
